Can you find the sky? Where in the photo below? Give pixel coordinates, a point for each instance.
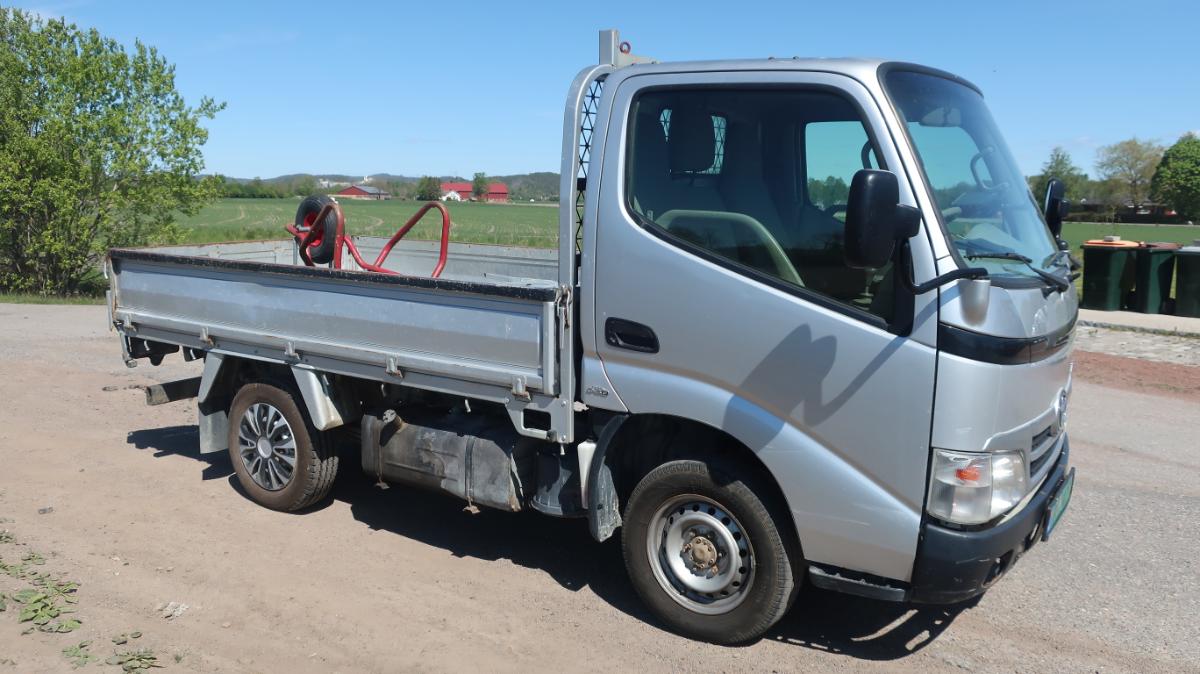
(451, 89)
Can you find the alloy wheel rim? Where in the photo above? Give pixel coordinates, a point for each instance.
(267, 446)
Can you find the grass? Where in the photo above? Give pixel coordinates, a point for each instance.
(30, 298)
(505, 224)
(1077, 232)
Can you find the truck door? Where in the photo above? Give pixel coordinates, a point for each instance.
(721, 295)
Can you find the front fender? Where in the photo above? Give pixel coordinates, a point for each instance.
(844, 517)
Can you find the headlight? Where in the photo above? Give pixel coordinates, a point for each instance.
(971, 488)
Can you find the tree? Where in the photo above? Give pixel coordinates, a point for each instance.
(97, 149)
(1060, 166)
(429, 189)
(479, 185)
(1177, 179)
(1130, 163)
(828, 192)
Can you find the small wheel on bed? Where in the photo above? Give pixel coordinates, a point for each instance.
(320, 248)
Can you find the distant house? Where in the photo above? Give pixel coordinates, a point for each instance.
(496, 192)
(456, 191)
(362, 192)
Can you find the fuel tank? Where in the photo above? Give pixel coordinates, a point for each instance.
(475, 456)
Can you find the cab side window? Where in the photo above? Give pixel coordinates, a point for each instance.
(756, 180)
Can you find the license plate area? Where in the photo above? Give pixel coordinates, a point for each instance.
(1058, 504)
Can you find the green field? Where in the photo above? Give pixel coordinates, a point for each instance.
(505, 224)
(26, 298)
(508, 224)
(1078, 232)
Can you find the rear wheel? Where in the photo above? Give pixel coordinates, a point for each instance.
(324, 232)
(704, 552)
(281, 460)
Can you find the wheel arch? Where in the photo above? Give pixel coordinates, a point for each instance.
(631, 445)
(329, 401)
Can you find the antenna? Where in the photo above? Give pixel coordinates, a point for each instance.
(616, 53)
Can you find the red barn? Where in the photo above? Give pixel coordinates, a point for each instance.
(456, 191)
(496, 192)
(362, 192)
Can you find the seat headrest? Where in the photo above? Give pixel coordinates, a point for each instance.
(691, 140)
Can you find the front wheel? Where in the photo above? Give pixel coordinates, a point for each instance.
(705, 553)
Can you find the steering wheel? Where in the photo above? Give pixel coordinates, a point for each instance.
(709, 226)
(865, 155)
(979, 182)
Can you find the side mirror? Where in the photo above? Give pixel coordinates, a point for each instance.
(876, 220)
(1055, 206)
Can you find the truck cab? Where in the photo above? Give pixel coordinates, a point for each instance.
(899, 366)
(805, 323)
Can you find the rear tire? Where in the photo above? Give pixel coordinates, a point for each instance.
(706, 550)
(321, 251)
(281, 460)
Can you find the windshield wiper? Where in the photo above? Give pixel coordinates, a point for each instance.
(1005, 255)
(1060, 284)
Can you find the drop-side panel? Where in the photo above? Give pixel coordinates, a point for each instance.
(353, 322)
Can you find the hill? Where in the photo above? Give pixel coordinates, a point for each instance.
(538, 186)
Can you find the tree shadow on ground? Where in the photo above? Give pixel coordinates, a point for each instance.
(562, 548)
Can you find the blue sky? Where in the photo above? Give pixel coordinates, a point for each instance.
(454, 88)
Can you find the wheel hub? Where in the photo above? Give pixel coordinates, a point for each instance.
(263, 447)
(700, 554)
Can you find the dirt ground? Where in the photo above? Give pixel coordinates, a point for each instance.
(114, 495)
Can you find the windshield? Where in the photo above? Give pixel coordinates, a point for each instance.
(986, 206)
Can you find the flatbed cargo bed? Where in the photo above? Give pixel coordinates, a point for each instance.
(486, 329)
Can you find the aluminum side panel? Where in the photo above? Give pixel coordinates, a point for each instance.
(484, 339)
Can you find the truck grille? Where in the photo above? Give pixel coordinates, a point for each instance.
(1040, 453)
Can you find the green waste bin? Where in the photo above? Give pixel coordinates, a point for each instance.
(1107, 272)
(1155, 265)
(1187, 280)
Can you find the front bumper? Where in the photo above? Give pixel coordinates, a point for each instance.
(953, 565)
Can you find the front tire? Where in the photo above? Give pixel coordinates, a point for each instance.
(281, 460)
(705, 553)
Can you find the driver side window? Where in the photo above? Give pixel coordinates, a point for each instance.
(757, 180)
(830, 161)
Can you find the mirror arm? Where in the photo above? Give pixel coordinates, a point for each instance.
(922, 288)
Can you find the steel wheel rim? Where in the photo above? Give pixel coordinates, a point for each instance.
(267, 446)
(700, 554)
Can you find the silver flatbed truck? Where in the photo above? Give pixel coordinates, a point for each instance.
(805, 323)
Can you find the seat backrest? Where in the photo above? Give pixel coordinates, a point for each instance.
(691, 143)
(652, 172)
(743, 180)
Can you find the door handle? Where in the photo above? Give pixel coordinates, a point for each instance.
(629, 335)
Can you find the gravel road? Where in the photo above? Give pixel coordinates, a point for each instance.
(385, 580)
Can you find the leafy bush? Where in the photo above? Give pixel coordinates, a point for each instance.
(97, 149)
